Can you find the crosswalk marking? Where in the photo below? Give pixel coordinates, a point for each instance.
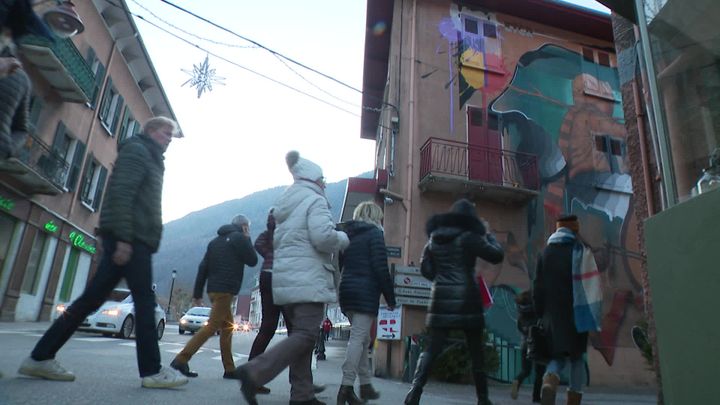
(96, 339)
(236, 357)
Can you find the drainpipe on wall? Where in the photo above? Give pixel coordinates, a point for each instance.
(665, 163)
(640, 119)
(411, 134)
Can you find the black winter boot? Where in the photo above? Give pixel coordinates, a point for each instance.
(481, 389)
(346, 395)
(419, 380)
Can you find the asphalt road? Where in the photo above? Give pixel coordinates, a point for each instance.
(106, 372)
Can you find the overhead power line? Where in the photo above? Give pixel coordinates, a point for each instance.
(244, 67)
(259, 45)
(278, 55)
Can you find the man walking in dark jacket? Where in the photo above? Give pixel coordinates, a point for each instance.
(130, 227)
(222, 269)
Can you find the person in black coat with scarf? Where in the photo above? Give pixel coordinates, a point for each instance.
(364, 277)
(456, 240)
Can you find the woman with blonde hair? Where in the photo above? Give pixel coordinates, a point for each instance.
(364, 277)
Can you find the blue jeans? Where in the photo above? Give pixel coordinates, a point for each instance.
(138, 274)
(577, 371)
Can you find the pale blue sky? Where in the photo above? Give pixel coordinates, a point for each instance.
(236, 136)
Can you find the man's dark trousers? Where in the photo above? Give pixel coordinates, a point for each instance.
(138, 274)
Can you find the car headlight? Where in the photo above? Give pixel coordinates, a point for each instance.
(205, 323)
(246, 328)
(60, 308)
(183, 321)
(110, 312)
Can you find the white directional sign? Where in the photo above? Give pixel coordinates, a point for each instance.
(413, 292)
(407, 280)
(407, 270)
(388, 323)
(423, 302)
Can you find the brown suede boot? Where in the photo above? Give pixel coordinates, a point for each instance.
(367, 392)
(549, 389)
(574, 398)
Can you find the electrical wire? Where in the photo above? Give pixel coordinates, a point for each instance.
(259, 45)
(244, 67)
(216, 25)
(256, 45)
(313, 84)
(190, 33)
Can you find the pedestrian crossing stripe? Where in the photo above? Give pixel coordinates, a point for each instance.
(235, 357)
(96, 339)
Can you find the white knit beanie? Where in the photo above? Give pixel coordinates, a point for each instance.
(301, 168)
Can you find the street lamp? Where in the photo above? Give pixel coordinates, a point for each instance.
(62, 19)
(172, 285)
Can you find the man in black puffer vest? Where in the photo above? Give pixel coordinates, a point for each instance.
(222, 268)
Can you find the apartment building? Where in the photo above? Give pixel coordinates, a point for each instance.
(517, 106)
(90, 92)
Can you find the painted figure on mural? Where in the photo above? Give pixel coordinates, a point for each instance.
(580, 144)
(563, 106)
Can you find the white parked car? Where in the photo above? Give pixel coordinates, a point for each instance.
(117, 316)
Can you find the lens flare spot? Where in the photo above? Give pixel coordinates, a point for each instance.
(379, 28)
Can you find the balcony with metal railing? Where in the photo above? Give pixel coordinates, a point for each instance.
(496, 174)
(35, 169)
(62, 65)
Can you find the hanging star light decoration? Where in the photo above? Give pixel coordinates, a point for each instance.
(202, 77)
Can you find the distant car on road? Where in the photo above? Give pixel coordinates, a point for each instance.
(117, 316)
(194, 319)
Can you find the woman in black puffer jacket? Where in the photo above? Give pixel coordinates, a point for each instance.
(457, 239)
(364, 277)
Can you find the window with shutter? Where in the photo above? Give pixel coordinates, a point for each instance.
(98, 70)
(76, 166)
(111, 108)
(92, 184)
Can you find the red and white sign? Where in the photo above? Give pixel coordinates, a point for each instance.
(388, 323)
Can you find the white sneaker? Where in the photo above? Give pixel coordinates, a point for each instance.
(166, 378)
(48, 369)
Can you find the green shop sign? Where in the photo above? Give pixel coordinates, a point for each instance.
(7, 204)
(51, 227)
(78, 240)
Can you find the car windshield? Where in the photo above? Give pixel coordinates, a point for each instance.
(120, 296)
(199, 311)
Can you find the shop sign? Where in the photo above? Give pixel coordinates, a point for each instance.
(51, 227)
(6, 204)
(388, 323)
(78, 240)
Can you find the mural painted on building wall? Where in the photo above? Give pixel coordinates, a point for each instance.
(564, 107)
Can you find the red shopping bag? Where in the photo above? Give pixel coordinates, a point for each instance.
(485, 295)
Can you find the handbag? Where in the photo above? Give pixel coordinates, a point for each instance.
(538, 347)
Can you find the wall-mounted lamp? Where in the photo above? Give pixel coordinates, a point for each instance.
(391, 197)
(62, 19)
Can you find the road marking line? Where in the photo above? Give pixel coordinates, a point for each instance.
(96, 339)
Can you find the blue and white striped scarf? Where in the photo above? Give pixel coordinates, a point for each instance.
(587, 288)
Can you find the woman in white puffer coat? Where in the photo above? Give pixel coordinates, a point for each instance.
(304, 242)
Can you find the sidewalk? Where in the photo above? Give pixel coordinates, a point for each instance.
(393, 391)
